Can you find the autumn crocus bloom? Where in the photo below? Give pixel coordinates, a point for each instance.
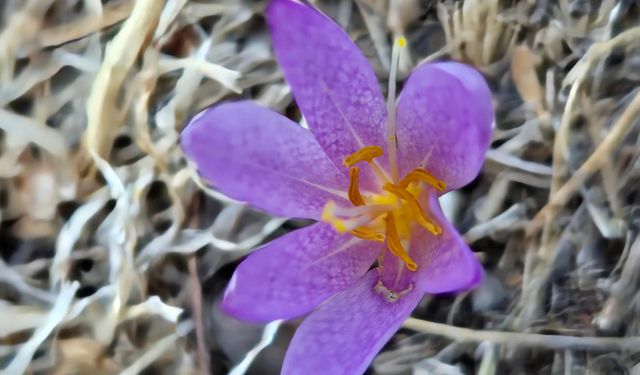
(369, 172)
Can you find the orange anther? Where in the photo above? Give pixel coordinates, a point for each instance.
(415, 208)
(394, 244)
(421, 175)
(354, 191)
(367, 154)
(367, 234)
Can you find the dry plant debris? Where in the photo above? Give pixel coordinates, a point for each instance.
(113, 254)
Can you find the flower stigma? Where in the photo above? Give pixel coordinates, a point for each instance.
(389, 215)
(399, 43)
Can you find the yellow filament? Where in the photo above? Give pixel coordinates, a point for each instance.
(415, 208)
(367, 154)
(354, 191)
(393, 242)
(368, 234)
(420, 175)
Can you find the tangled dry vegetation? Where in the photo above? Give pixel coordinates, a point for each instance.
(114, 254)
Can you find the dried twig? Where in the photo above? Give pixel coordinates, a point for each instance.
(112, 13)
(104, 121)
(578, 76)
(590, 166)
(557, 342)
(196, 299)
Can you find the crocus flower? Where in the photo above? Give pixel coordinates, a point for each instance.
(369, 172)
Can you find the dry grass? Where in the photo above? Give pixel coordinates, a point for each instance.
(113, 254)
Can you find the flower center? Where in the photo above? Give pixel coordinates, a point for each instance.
(389, 215)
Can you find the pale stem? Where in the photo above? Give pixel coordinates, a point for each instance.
(379, 171)
(359, 221)
(391, 108)
(370, 210)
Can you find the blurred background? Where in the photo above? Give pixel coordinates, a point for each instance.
(114, 254)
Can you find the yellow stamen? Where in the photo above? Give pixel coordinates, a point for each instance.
(420, 175)
(354, 191)
(345, 220)
(387, 216)
(415, 208)
(367, 154)
(368, 234)
(393, 242)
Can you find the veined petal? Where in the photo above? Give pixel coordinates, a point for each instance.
(253, 154)
(445, 262)
(444, 119)
(332, 81)
(453, 268)
(295, 273)
(344, 334)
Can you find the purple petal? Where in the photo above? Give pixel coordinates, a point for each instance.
(343, 335)
(444, 117)
(332, 82)
(445, 262)
(255, 155)
(295, 273)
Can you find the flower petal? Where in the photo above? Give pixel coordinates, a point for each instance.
(332, 81)
(344, 334)
(444, 119)
(295, 273)
(256, 155)
(445, 262)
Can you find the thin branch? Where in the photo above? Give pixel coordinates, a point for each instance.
(560, 194)
(196, 301)
(591, 165)
(520, 338)
(579, 75)
(79, 28)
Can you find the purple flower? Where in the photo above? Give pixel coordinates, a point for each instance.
(370, 173)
